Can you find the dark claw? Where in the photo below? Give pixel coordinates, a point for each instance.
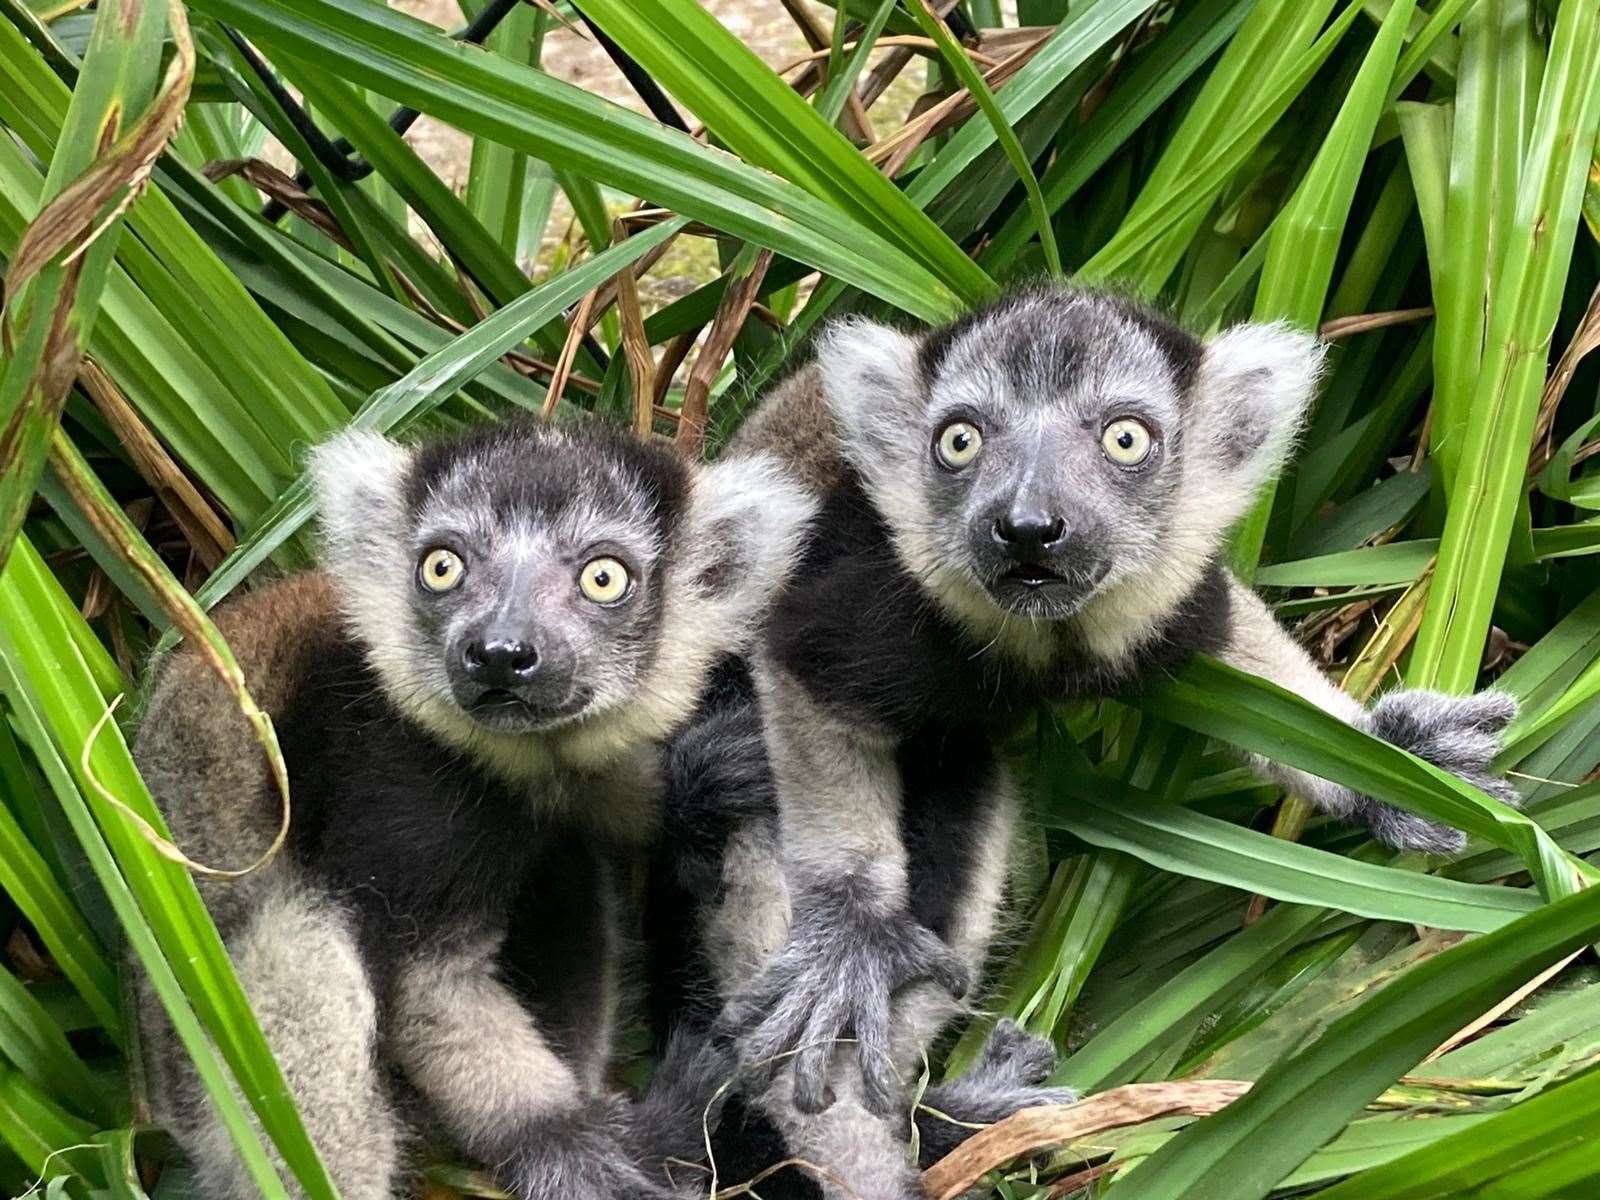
(882, 1090)
(811, 1091)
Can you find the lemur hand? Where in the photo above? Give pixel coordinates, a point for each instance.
(1009, 1077)
(848, 952)
(1459, 734)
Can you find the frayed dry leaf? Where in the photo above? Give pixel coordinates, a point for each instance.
(1036, 1128)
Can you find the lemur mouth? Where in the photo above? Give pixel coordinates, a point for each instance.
(503, 710)
(500, 700)
(1033, 575)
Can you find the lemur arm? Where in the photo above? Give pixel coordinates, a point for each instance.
(479, 1058)
(852, 941)
(1461, 734)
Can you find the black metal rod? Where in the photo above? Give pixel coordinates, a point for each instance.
(337, 154)
(646, 88)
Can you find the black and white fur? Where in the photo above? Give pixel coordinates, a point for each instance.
(855, 891)
(434, 954)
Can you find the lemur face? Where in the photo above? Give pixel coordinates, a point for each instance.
(521, 569)
(523, 580)
(537, 569)
(1051, 437)
(1063, 448)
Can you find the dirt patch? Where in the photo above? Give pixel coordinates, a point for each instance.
(765, 26)
(762, 25)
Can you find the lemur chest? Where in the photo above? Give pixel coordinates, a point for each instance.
(411, 833)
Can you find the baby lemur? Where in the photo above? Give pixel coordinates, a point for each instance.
(471, 697)
(1027, 505)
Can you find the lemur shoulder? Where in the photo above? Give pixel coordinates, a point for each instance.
(1029, 504)
(471, 696)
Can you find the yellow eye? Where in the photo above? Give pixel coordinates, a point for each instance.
(1126, 442)
(603, 580)
(442, 570)
(959, 443)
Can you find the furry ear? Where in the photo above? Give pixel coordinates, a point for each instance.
(869, 374)
(1255, 385)
(359, 477)
(746, 523)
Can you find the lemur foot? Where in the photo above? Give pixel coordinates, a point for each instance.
(1013, 1055)
(1009, 1077)
(847, 953)
(668, 1123)
(581, 1157)
(1459, 734)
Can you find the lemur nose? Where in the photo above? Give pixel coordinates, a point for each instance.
(500, 662)
(1028, 535)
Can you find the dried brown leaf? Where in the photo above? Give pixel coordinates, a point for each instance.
(1052, 1125)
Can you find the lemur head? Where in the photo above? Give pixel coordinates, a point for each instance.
(1061, 446)
(522, 580)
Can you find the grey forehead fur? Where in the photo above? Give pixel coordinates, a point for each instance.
(576, 487)
(1048, 342)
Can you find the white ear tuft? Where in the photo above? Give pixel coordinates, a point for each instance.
(1256, 384)
(746, 524)
(358, 477)
(869, 375)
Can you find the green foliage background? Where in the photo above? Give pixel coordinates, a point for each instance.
(1419, 181)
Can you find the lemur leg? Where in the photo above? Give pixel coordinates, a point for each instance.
(474, 1050)
(562, 958)
(300, 965)
(852, 939)
(963, 860)
(1460, 734)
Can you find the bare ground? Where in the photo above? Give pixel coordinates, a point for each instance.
(763, 25)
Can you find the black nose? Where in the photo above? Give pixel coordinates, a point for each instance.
(1029, 535)
(500, 662)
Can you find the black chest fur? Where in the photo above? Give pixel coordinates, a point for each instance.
(408, 832)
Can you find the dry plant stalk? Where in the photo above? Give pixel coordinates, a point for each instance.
(731, 313)
(1473, 1028)
(858, 124)
(1052, 1125)
(636, 346)
(120, 173)
(918, 45)
(894, 151)
(280, 186)
(671, 359)
(1585, 340)
(67, 226)
(569, 352)
(208, 536)
(1343, 327)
